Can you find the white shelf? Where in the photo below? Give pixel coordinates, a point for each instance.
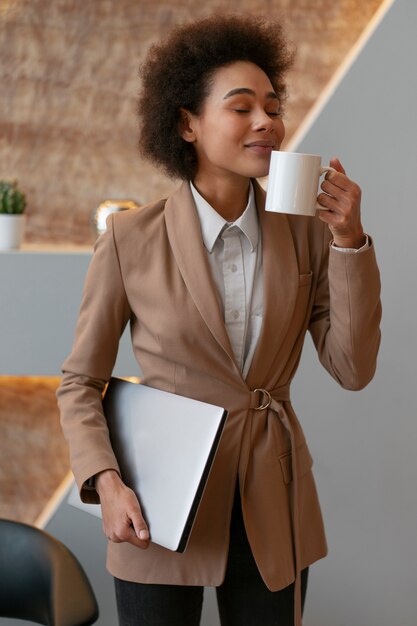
(39, 248)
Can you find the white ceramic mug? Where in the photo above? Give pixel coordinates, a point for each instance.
(293, 183)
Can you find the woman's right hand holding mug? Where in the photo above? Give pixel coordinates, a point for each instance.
(121, 512)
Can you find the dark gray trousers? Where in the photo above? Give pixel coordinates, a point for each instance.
(243, 598)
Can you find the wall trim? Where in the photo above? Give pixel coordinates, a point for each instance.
(338, 76)
(55, 501)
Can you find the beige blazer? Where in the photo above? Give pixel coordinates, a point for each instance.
(150, 269)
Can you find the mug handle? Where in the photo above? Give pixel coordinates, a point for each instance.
(324, 170)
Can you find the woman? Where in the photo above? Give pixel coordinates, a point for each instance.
(219, 295)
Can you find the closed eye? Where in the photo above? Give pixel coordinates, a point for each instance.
(271, 113)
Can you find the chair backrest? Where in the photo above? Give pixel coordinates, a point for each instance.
(41, 580)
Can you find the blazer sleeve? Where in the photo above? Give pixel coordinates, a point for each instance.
(103, 316)
(346, 315)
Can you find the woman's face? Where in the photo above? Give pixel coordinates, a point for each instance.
(239, 124)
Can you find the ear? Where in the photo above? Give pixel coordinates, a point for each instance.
(187, 126)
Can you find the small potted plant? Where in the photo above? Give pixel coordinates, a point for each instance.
(12, 220)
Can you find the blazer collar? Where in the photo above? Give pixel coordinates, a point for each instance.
(184, 233)
(280, 275)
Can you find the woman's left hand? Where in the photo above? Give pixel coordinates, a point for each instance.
(343, 197)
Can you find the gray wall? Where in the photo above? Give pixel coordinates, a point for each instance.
(364, 443)
(40, 298)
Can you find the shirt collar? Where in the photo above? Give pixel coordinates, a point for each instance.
(212, 223)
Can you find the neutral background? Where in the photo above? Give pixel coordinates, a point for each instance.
(363, 443)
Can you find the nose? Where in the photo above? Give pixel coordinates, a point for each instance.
(263, 122)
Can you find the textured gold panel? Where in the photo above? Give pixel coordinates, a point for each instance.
(33, 452)
(69, 84)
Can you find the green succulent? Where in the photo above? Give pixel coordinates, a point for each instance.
(12, 201)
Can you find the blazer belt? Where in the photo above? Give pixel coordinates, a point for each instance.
(261, 399)
(264, 400)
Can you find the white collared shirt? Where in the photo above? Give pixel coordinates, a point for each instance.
(234, 252)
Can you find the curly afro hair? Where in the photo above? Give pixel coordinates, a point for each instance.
(177, 74)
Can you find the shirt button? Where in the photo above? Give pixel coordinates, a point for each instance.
(235, 315)
(233, 268)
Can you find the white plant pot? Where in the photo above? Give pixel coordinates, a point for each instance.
(12, 228)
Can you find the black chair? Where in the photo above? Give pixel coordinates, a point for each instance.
(41, 580)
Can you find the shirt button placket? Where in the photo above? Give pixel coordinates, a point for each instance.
(234, 284)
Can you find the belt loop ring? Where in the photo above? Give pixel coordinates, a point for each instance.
(266, 396)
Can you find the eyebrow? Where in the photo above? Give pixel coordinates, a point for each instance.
(250, 92)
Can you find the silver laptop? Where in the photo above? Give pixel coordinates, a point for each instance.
(165, 445)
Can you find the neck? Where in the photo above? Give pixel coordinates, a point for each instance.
(228, 198)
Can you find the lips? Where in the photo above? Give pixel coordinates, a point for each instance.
(262, 148)
(261, 144)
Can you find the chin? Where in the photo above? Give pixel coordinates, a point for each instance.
(260, 172)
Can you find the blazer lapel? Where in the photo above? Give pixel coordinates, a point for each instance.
(184, 233)
(280, 277)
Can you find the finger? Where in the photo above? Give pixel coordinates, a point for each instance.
(336, 181)
(115, 527)
(124, 532)
(131, 537)
(329, 202)
(338, 178)
(329, 217)
(347, 202)
(331, 188)
(139, 526)
(332, 217)
(324, 217)
(336, 164)
(346, 192)
(135, 517)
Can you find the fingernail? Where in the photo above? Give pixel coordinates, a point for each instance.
(143, 534)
